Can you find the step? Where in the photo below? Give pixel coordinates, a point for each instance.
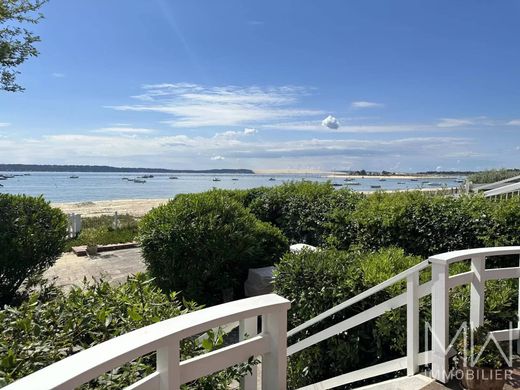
(416, 382)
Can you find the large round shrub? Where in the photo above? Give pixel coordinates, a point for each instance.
(304, 210)
(203, 244)
(32, 236)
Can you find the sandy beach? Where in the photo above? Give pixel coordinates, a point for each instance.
(135, 207)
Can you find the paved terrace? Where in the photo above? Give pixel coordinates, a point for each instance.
(113, 266)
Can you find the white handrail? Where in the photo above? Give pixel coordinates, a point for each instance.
(439, 287)
(89, 364)
(371, 291)
(456, 256)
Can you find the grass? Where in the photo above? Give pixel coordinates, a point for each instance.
(126, 232)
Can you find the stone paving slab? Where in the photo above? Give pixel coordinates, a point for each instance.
(113, 266)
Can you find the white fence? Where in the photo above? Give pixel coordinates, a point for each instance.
(74, 225)
(164, 337)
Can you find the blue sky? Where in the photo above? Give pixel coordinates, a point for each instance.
(401, 85)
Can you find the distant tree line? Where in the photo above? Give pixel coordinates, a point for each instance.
(104, 168)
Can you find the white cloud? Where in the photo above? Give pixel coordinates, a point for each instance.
(58, 75)
(193, 105)
(196, 152)
(514, 122)
(454, 122)
(4, 124)
(330, 122)
(365, 104)
(123, 130)
(236, 134)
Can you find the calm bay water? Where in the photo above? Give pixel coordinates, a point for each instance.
(59, 187)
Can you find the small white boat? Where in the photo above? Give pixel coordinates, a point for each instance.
(353, 183)
(216, 179)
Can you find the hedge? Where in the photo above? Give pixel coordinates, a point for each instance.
(305, 211)
(422, 224)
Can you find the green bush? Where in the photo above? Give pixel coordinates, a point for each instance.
(32, 236)
(317, 281)
(304, 210)
(505, 223)
(420, 223)
(204, 244)
(42, 331)
(492, 175)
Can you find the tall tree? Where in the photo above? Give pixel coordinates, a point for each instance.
(16, 41)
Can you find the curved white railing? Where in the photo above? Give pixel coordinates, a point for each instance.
(164, 337)
(439, 287)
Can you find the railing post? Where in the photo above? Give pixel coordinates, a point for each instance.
(274, 363)
(168, 366)
(412, 324)
(249, 328)
(478, 267)
(440, 320)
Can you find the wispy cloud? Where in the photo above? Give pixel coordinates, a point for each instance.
(193, 105)
(364, 104)
(161, 150)
(454, 122)
(320, 127)
(4, 124)
(123, 130)
(514, 122)
(58, 75)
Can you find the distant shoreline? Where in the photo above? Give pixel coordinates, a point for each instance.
(109, 169)
(414, 176)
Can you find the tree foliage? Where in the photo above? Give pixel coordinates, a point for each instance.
(17, 42)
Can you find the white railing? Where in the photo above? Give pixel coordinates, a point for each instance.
(271, 344)
(165, 337)
(439, 287)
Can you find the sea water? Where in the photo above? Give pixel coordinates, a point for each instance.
(60, 187)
